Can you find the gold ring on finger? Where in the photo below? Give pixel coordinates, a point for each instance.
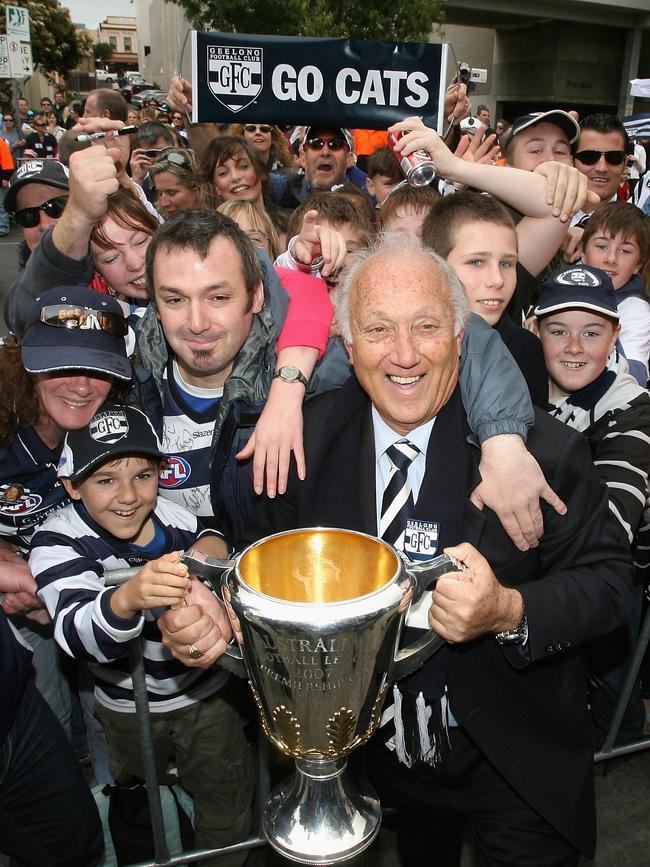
(195, 653)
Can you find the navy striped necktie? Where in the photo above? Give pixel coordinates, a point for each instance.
(397, 503)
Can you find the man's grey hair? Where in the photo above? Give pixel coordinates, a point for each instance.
(403, 246)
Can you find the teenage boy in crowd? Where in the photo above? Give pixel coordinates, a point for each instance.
(590, 390)
(477, 236)
(540, 137)
(117, 520)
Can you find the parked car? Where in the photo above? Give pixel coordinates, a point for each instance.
(143, 85)
(140, 100)
(105, 75)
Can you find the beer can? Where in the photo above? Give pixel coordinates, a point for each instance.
(418, 168)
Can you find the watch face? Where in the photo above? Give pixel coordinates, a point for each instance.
(289, 373)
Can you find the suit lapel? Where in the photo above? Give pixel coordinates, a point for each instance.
(367, 476)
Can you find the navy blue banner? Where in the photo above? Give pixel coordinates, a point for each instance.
(239, 78)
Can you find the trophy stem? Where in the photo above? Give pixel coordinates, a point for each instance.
(318, 816)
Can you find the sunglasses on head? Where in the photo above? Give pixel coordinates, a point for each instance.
(174, 158)
(156, 153)
(253, 127)
(29, 218)
(590, 158)
(85, 318)
(334, 144)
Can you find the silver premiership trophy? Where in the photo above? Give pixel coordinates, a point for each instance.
(318, 615)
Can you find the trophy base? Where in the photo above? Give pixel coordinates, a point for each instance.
(318, 817)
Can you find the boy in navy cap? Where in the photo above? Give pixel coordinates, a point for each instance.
(591, 390)
(116, 520)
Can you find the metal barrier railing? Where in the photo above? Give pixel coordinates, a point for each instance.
(162, 857)
(608, 750)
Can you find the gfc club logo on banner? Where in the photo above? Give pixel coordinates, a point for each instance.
(234, 75)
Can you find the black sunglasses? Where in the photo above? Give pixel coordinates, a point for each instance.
(590, 158)
(334, 144)
(29, 218)
(85, 318)
(253, 127)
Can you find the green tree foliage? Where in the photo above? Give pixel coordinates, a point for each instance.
(409, 21)
(57, 47)
(102, 51)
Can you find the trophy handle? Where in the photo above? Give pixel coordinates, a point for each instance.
(214, 569)
(409, 659)
(209, 568)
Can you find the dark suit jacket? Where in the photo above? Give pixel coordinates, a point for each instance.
(527, 711)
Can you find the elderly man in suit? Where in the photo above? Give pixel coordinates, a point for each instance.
(495, 727)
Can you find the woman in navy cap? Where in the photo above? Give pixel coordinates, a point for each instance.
(72, 357)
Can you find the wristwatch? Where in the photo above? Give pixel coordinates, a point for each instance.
(289, 373)
(517, 635)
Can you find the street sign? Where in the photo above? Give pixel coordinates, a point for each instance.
(26, 59)
(20, 58)
(5, 69)
(18, 23)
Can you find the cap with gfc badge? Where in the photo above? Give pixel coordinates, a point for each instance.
(114, 431)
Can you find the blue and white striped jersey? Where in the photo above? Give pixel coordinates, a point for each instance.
(188, 426)
(70, 553)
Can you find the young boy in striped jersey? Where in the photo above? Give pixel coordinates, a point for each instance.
(591, 390)
(116, 519)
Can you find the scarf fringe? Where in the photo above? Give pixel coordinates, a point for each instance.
(421, 729)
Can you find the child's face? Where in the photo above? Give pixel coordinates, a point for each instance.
(380, 186)
(406, 220)
(619, 257)
(576, 346)
(120, 495)
(484, 256)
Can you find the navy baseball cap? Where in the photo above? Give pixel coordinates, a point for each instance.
(560, 118)
(75, 328)
(578, 287)
(49, 172)
(115, 430)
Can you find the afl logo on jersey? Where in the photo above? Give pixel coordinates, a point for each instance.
(175, 472)
(16, 500)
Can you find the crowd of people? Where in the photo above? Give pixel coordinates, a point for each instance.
(220, 332)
